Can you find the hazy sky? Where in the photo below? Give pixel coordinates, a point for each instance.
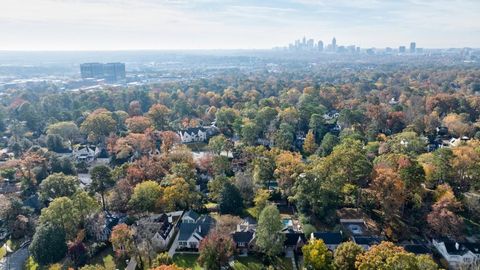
(231, 24)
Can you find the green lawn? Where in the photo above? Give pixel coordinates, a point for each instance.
(255, 263)
(247, 263)
(187, 261)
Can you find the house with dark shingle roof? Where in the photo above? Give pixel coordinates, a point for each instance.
(294, 241)
(459, 255)
(331, 239)
(417, 249)
(366, 241)
(244, 236)
(193, 229)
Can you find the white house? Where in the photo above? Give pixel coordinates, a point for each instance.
(86, 153)
(192, 230)
(458, 255)
(193, 135)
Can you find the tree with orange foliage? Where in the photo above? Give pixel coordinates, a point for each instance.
(134, 144)
(122, 240)
(389, 190)
(169, 139)
(309, 146)
(443, 219)
(138, 124)
(159, 114)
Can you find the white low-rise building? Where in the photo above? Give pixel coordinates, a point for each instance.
(459, 255)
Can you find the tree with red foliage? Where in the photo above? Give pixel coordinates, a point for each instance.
(215, 250)
(78, 253)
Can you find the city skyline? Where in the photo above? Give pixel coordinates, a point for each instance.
(233, 24)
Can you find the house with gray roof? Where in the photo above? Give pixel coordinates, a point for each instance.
(192, 230)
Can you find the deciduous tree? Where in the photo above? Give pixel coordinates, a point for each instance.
(215, 250)
(316, 255)
(269, 238)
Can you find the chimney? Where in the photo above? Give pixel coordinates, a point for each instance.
(457, 246)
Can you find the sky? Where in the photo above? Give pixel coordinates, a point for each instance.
(234, 24)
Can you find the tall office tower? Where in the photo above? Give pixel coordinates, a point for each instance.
(114, 71)
(310, 44)
(91, 70)
(413, 47)
(334, 44)
(304, 42)
(401, 49)
(111, 71)
(320, 45)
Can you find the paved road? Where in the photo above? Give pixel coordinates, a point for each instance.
(15, 261)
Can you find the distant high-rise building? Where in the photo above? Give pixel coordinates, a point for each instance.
(114, 71)
(320, 45)
(304, 41)
(334, 44)
(110, 71)
(413, 46)
(310, 44)
(401, 49)
(91, 70)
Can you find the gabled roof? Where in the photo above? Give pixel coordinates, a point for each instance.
(417, 249)
(367, 240)
(473, 247)
(454, 248)
(156, 224)
(243, 237)
(329, 238)
(292, 238)
(202, 227)
(186, 230)
(192, 214)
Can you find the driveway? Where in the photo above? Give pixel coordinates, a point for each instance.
(15, 261)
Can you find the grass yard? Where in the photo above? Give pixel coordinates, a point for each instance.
(255, 263)
(247, 263)
(187, 261)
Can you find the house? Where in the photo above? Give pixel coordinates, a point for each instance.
(458, 255)
(366, 241)
(8, 187)
(333, 114)
(100, 226)
(442, 131)
(156, 229)
(244, 235)
(393, 101)
(417, 249)
(198, 134)
(247, 223)
(86, 153)
(360, 233)
(294, 241)
(331, 239)
(244, 240)
(193, 229)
